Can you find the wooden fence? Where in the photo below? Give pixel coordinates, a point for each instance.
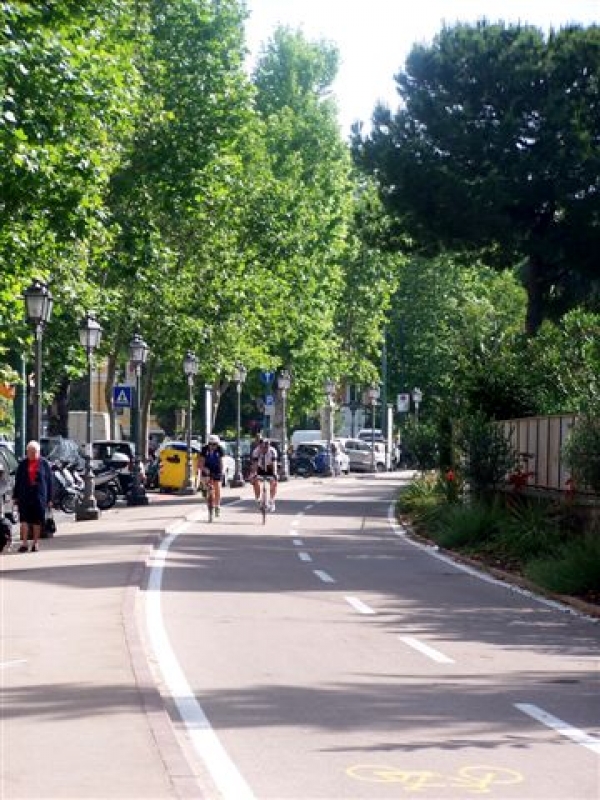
(540, 442)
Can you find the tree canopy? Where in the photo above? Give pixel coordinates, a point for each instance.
(495, 151)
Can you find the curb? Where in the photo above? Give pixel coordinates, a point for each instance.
(160, 721)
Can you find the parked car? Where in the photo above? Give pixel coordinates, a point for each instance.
(361, 456)
(370, 435)
(228, 462)
(8, 469)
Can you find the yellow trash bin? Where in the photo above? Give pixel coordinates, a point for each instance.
(172, 466)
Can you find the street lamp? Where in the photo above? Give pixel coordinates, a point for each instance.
(284, 381)
(190, 369)
(239, 378)
(373, 395)
(329, 387)
(90, 334)
(38, 307)
(417, 396)
(138, 353)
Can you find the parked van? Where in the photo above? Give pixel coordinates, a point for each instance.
(304, 436)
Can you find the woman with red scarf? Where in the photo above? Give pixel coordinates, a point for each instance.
(32, 494)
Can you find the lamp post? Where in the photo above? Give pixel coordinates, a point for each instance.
(417, 396)
(373, 395)
(90, 334)
(190, 369)
(284, 381)
(138, 353)
(329, 387)
(239, 378)
(38, 307)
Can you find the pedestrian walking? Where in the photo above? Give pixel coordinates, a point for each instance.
(32, 494)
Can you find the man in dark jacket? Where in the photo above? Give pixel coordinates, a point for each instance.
(32, 494)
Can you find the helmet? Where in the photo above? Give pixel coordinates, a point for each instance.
(213, 439)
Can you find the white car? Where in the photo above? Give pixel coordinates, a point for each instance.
(228, 462)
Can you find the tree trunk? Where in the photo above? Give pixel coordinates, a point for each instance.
(536, 291)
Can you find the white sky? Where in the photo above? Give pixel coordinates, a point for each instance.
(375, 37)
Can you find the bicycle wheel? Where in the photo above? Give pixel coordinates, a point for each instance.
(263, 503)
(209, 505)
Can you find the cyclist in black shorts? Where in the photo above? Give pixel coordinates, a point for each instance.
(210, 466)
(264, 461)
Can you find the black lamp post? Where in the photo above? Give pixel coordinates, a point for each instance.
(190, 368)
(329, 387)
(417, 396)
(239, 377)
(373, 395)
(38, 307)
(284, 381)
(90, 334)
(138, 353)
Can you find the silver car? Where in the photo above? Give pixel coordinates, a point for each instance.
(361, 456)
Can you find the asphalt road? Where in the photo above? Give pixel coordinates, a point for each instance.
(327, 656)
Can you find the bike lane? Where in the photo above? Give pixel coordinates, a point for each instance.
(327, 666)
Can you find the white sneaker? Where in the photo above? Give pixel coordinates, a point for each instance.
(272, 506)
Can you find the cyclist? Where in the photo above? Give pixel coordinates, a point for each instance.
(210, 465)
(264, 461)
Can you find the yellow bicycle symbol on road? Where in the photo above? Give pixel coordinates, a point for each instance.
(479, 779)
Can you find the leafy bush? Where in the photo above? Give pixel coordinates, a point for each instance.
(575, 570)
(421, 442)
(467, 526)
(529, 531)
(582, 452)
(487, 455)
(422, 499)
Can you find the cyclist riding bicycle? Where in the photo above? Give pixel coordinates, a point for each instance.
(210, 466)
(264, 461)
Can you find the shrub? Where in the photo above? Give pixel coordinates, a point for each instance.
(467, 526)
(487, 455)
(575, 570)
(582, 452)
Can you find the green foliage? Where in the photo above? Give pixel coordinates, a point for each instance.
(489, 153)
(575, 569)
(467, 526)
(421, 442)
(423, 498)
(582, 451)
(486, 455)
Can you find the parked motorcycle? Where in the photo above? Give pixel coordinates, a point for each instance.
(67, 487)
(106, 488)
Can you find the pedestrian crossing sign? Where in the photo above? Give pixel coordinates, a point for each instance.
(122, 396)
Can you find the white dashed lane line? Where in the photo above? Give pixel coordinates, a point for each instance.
(323, 576)
(304, 557)
(563, 728)
(359, 606)
(428, 651)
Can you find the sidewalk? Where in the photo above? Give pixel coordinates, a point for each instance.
(80, 715)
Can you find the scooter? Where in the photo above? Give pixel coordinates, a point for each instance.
(67, 489)
(106, 488)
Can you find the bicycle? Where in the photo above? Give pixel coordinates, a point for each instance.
(264, 496)
(208, 492)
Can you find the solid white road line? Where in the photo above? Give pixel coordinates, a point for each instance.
(225, 774)
(430, 652)
(323, 576)
(14, 663)
(359, 606)
(578, 736)
(304, 557)
(433, 550)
